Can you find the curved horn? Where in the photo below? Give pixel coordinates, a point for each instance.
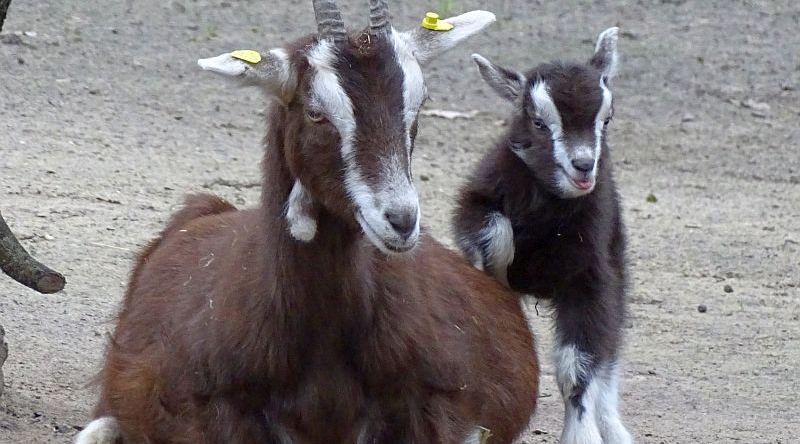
(379, 16)
(329, 20)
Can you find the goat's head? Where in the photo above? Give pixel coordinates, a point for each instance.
(351, 104)
(562, 113)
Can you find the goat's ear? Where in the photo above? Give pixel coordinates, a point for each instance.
(605, 56)
(507, 82)
(428, 43)
(272, 71)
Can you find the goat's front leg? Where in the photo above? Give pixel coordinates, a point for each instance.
(300, 214)
(586, 355)
(490, 246)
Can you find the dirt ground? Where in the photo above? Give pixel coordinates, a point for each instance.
(105, 122)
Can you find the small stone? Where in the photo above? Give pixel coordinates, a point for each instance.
(727, 289)
(688, 118)
(20, 60)
(424, 178)
(757, 107)
(702, 308)
(178, 6)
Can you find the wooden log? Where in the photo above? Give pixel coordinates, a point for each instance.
(20, 266)
(3, 356)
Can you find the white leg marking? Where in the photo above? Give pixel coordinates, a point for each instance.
(611, 428)
(103, 430)
(580, 421)
(302, 225)
(498, 238)
(571, 364)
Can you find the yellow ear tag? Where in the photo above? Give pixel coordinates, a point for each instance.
(432, 22)
(247, 55)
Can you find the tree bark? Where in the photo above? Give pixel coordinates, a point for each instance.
(20, 266)
(3, 356)
(3, 11)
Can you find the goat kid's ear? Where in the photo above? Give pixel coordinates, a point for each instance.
(507, 82)
(271, 71)
(427, 43)
(605, 56)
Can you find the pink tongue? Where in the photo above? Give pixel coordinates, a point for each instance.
(583, 184)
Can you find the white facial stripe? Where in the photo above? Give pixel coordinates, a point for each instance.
(545, 107)
(413, 86)
(328, 90)
(396, 193)
(547, 111)
(599, 121)
(413, 82)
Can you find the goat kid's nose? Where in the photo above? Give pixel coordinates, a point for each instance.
(404, 221)
(583, 164)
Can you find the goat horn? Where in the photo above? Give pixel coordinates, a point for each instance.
(329, 20)
(378, 16)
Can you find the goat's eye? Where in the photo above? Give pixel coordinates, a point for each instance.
(539, 124)
(316, 116)
(518, 145)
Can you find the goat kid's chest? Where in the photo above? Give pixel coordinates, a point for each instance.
(551, 249)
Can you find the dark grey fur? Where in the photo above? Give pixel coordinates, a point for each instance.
(570, 251)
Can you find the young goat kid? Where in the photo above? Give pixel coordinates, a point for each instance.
(542, 214)
(324, 316)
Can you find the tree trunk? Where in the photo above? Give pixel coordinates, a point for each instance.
(20, 266)
(3, 11)
(3, 356)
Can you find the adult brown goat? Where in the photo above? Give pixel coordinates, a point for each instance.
(324, 316)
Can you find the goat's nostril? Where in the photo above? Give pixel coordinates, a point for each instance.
(584, 165)
(403, 221)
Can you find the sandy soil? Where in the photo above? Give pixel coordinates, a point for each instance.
(105, 123)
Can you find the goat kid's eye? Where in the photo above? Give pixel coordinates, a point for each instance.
(316, 116)
(607, 121)
(539, 124)
(520, 145)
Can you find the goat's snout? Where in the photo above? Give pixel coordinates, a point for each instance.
(403, 220)
(583, 164)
